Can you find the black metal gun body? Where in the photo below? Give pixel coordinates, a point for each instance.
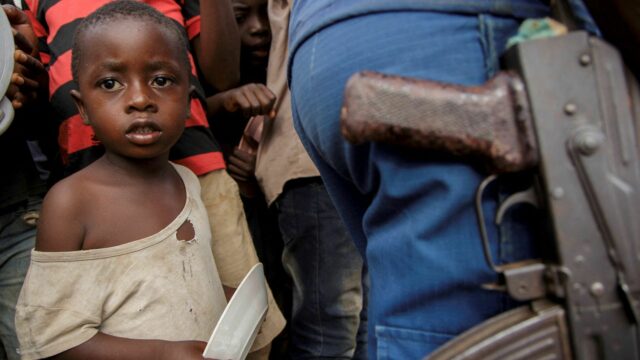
(573, 123)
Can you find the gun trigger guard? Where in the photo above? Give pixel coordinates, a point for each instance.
(486, 248)
(527, 196)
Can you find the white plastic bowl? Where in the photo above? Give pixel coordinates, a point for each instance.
(239, 323)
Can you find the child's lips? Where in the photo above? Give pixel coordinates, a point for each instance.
(259, 49)
(143, 132)
(260, 53)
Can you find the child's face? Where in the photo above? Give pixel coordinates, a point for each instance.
(133, 87)
(255, 33)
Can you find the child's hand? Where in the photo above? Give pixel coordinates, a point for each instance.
(242, 165)
(29, 75)
(24, 36)
(250, 99)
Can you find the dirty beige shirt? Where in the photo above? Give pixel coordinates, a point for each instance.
(153, 288)
(281, 156)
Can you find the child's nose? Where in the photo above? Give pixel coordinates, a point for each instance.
(259, 26)
(140, 98)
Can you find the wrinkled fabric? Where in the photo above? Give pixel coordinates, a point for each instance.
(329, 307)
(158, 287)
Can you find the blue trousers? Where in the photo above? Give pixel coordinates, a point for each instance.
(17, 238)
(410, 213)
(329, 297)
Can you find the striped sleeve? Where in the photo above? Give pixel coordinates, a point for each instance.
(30, 8)
(191, 14)
(197, 150)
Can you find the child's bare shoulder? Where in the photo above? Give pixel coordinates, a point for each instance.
(61, 226)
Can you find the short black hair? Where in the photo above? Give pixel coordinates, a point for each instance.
(127, 9)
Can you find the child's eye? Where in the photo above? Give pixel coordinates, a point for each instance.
(240, 15)
(110, 84)
(162, 81)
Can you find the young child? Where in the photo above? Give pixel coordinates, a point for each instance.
(255, 41)
(237, 117)
(229, 111)
(122, 266)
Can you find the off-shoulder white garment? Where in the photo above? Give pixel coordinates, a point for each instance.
(158, 287)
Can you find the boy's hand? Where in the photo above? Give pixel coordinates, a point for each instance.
(242, 165)
(24, 36)
(250, 99)
(29, 75)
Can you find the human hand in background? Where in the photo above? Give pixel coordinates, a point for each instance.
(242, 164)
(242, 161)
(23, 33)
(29, 76)
(26, 80)
(250, 100)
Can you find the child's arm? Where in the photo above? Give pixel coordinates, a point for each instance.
(217, 48)
(106, 347)
(250, 99)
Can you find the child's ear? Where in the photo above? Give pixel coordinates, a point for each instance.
(77, 99)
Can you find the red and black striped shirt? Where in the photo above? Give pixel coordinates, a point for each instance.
(54, 22)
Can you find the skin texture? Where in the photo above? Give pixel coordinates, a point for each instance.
(217, 47)
(135, 95)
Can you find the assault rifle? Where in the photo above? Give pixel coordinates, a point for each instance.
(565, 111)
